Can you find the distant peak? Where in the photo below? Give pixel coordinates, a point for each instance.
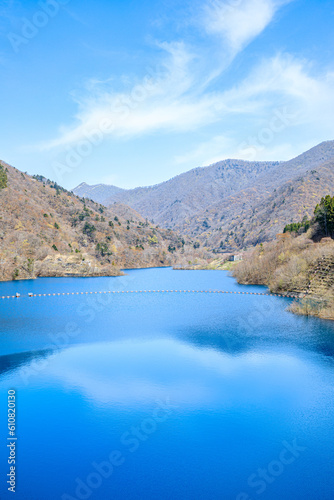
(83, 184)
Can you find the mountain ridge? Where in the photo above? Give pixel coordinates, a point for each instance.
(207, 202)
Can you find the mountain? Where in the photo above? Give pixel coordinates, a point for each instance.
(171, 202)
(99, 193)
(48, 231)
(233, 203)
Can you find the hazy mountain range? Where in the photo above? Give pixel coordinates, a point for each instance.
(233, 203)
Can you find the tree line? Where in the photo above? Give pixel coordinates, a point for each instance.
(323, 218)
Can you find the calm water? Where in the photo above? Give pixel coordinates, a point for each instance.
(165, 396)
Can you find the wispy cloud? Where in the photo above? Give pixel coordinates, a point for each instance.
(171, 103)
(291, 81)
(220, 147)
(160, 101)
(207, 152)
(238, 22)
(176, 95)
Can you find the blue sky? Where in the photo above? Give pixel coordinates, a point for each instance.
(133, 93)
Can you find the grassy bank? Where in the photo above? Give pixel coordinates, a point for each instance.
(294, 265)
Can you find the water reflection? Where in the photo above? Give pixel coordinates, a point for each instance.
(134, 373)
(12, 362)
(317, 336)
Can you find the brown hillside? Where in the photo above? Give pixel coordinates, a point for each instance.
(48, 231)
(294, 265)
(234, 203)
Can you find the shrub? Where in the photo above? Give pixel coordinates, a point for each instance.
(3, 178)
(88, 229)
(153, 240)
(15, 274)
(55, 248)
(102, 248)
(30, 265)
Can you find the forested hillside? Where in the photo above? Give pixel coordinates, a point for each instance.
(232, 204)
(48, 231)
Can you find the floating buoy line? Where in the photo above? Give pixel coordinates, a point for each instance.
(18, 295)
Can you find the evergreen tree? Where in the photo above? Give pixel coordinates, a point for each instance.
(324, 215)
(3, 178)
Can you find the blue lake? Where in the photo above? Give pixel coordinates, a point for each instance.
(165, 396)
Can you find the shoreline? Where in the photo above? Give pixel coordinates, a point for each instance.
(122, 272)
(300, 306)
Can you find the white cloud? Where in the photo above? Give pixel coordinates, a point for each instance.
(220, 147)
(166, 99)
(207, 152)
(171, 103)
(279, 95)
(286, 81)
(238, 22)
(175, 96)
